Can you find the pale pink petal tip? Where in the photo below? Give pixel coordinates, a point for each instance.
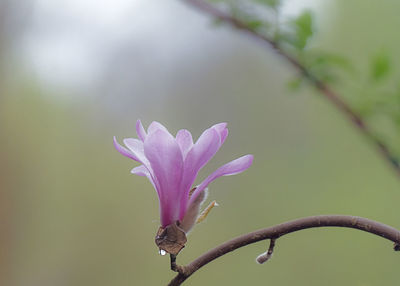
(154, 126)
(222, 130)
(140, 130)
(124, 151)
(220, 126)
(140, 171)
(184, 140)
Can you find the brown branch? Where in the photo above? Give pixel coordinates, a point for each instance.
(323, 88)
(277, 231)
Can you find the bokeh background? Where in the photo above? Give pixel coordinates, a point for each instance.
(75, 73)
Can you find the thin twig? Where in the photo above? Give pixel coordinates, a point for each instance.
(173, 262)
(277, 231)
(323, 88)
(264, 257)
(174, 266)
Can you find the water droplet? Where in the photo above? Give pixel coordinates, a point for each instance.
(162, 252)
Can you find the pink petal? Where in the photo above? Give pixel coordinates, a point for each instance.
(232, 168)
(140, 171)
(125, 151)
(224, 134)
(154, 126)
(140, 130)
(136, 147)
(165, 157)
(220, 126)
(136, 153)
(204, 149)
(201, 152)
(144, 172)
(185, 141)
(222, 130)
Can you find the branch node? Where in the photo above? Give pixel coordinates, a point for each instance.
(264, 257)
(175, 267)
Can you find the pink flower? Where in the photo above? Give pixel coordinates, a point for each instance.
(172, 164)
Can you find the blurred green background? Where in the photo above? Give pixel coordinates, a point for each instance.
(75, 73)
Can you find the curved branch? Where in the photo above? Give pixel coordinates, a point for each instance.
(277, 231)
(324, 89)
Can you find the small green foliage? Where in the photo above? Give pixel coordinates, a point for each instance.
(334, 60)
(380, 66)
(295, 83)
(327, 66)
(303, 27)
(254, 24)
(274, 4)
(297, 32)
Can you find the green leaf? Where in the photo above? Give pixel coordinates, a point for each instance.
(380, 66)
(303, 27)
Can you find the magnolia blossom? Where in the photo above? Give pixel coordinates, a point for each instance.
(172, 163)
